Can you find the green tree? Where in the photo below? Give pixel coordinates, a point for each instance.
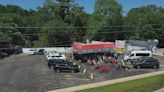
(145, 22)
(78, 19)
(10, 22)
(107, 13)
(60, 35)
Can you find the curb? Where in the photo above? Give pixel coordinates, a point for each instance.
(160, 90)
(104, 83)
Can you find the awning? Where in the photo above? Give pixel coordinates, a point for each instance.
(98, 47)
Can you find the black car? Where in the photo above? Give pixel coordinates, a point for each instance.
(65, 67)
(2, 54)
(41, 52)
(147, 63)
(133, 61)
(53, 62)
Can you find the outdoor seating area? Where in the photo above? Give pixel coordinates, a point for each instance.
(102, 57)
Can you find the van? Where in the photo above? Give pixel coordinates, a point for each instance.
(137, 54)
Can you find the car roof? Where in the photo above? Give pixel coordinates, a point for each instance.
(142, 51)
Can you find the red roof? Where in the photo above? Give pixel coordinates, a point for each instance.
(78, 46)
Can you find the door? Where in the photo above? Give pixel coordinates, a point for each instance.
(148, 64)
(144, 64)
(151, 63)
(63, 67)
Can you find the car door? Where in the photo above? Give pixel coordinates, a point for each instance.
(149, 63)
(144, 63)
(63, 67)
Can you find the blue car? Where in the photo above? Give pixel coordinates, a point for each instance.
(147, 63)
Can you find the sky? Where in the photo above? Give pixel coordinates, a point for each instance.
(87, 4)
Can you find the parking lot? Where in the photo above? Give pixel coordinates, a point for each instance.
(24, 73)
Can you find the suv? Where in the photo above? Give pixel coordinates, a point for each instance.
(65, 67)
(147, 63)
(53, 62)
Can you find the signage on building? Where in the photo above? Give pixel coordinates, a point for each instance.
(120, 44)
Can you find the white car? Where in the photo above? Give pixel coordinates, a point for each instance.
(60, 56)
(45, 53)
(49, 55)
(56, 56)
(32, 52)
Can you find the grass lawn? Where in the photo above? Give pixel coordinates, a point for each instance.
(148, 84)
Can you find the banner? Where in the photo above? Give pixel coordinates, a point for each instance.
(120, 44)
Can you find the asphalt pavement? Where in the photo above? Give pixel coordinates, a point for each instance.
(31, 74)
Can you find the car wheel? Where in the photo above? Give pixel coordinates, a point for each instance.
(138, 67)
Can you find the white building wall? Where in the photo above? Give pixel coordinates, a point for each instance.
(58, 49)
(132, 48)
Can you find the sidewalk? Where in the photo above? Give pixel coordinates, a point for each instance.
(109, 82)
(159, 52)
(160, 90)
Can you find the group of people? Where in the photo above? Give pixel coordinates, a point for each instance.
(98, 59)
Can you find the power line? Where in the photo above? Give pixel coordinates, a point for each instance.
(111, 32)
(56, 27)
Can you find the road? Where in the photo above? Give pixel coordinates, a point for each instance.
(31, 74)
(161, 60)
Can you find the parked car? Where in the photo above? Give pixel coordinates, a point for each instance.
(2, 54)
(18, 49)
(32, 52)
(53, 62)
(148, 62)
(48, 54)
(56, 56)
(45, 52)
(140, 59)
(41, 52)
(60, 56)
(65, 67)
(137, 54)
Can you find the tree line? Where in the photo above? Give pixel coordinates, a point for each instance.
(61, 22)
